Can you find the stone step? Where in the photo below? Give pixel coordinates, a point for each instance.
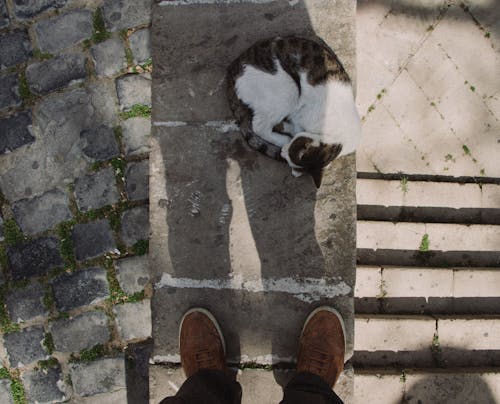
(425, 341)
(425, 201)
(427, 244)
(258, 385)
(412, 290)
(415, 386)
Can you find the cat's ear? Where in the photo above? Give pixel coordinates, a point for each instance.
(317, 175)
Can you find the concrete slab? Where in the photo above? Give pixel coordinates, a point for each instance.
(379, 388)
(479, 282)
(231, 229)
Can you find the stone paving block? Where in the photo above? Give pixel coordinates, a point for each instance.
(43, 212)
(469, 334)
(45, 386)
(4, 14)
(140, 45)
(26, 9)
(452, 387)
(194, 88)
(34, 257)
(378, 388)
(476, 283)
(80, 332)
(136, 134)
(137, 180)
(60, 71)
(93, 239)
(109, 57)
(100, 376)
(96, 190)
(15, 132)
(133, 273)
(9, 91)
(368, 282)
(56, 159)
(63, 31)
(15, 48)
(25, 346)
(81, 288)
(26, 303)
(135, 225)
(5, 392)
(122, 14)
(134, 320)
(99, 143)
(104, 99)
(379, 333)
(417, 282)
(134, 89)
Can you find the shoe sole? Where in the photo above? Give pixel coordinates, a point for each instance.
(212, 319)
(338, 315)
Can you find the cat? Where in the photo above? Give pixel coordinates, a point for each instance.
(293, 100)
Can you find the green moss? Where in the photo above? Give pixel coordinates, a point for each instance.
(91, 354)
(433, 104)
(64, 231)
(4, 373)
(424, 244)
(48, 343)
(487, 34)
(430, 28)
(17, 388)
(449, 157)
(136, 297)
(100, 34)
(141, 247)
(12, 233)
(137, 110)
(116, 294)
(482, 172)
(24, 90)
(115, 219)
(119, 166)
(42, 55)
(371, 108)
(4, 263)
(404, 184)
(118, 134)
(436, 351)
(47, 364)
(472, 88)
(466, 150)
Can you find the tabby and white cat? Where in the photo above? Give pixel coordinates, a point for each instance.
(293, 99)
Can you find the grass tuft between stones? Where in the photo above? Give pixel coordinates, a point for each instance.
(141, 247)
(6, 325)
(24, 90)
(48, 343)
(89, 355)
(100, 33)
(37, 53)
(47, 364)
(4, 373)
(137, 110)
(12, 233)
(64, 230)
(17, 389)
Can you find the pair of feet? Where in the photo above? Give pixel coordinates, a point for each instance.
(321, 345)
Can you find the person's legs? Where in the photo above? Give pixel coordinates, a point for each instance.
(203, 359)
(320, 359)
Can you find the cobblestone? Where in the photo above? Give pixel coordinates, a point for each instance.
(137, 180)
(9, 91)
(64, 31)
(4, 16)
(133, 273)
(15, 48)
(25, 346)
(136, 133)
(52, 74)
(121, 14)
(5, 391)
(14, 132)
(109, 57)
(26, 303)
(96, 190)
(134, 320)
(93, 239)
(99, 143)
(84, 287)
(101, 376)
(134, 89)
(42, 212)
(44, 386)
(80, 332)
(140, 45)
(135, 225)
(25, 9)
(34, 257)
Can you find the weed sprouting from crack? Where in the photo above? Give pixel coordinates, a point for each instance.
(425, 243)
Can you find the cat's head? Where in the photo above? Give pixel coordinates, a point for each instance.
(307, 153)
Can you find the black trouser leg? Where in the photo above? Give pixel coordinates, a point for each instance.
(207, 387)
(309, 388)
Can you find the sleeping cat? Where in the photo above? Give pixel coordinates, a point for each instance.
(293, 99)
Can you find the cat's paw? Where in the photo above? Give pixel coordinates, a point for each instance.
(296, 173)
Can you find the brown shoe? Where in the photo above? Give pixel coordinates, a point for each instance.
(322, 345)
(201, 342)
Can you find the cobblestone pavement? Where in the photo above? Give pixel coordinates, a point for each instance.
(75, 102)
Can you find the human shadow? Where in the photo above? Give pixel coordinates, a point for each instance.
(244, 239)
